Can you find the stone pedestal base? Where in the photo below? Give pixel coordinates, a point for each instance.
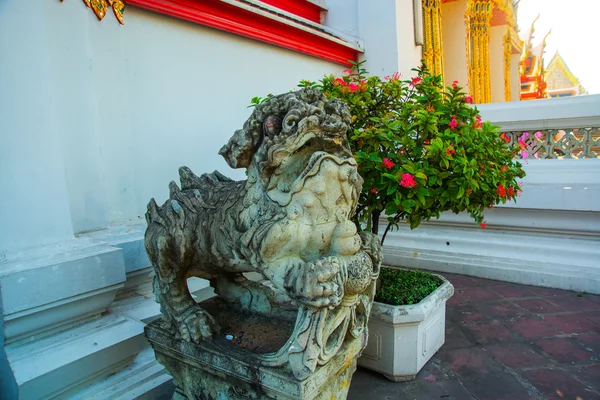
(224, 369)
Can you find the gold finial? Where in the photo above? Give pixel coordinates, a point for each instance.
(100, 8)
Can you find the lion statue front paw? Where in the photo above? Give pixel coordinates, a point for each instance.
(318, 284)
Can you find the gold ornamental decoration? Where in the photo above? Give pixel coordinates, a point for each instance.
(101, 7)
(477, 19)
(432, 36)
(507, 61)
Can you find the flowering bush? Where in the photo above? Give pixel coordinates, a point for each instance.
(421, 149)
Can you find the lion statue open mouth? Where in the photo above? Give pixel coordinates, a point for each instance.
(289, 221)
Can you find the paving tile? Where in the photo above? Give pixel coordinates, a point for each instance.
(571, 323)
(455, 338)
(557, 384)
(501, 310)
(497, 387)
(368, 384)
(516, 355)
(434, 371)
(576, 303)
(564, 350)
(457, 299)
(513, 291)
(444, 390)
(464, 314)
(462, 281)
(488, 332)
(538, 306)
(590, 375)
(590, 341)
(593, 316)
(533, 328)
(480, 294)
(470, 361)
(485, 355)
(490, 282)
(548, 292)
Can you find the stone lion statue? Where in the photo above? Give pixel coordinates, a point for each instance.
(289, 221)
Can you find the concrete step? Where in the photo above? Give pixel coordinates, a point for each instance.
(144, 378)
(56, 365)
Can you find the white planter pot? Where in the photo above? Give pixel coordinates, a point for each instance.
(403, 338)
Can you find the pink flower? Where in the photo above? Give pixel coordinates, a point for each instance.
(538, 134)
(353, 87)
(477, 124)
(453, 123)
(338, 82)
(387, 163)
(454, 84)
(396, 76)
(408, 181)
(469, 99)
(524, 135)
(522, 142)
(415, 81)
(524, 153)
(483, 225)
(347, 72)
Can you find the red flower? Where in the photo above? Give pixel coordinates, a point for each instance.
(373, 190)
(469, 99)
(453, 124)
(353, 87)
(505, 137)
(426, 142)
(477, 124)
(511, 191)
(501, 191)
(415, 81)
(450, 151)
(454, 84)
(483, 225)
(347, 72)
(338, 82)
(387, 163)
(408, 181)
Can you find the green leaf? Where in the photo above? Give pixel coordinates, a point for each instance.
(408, 168)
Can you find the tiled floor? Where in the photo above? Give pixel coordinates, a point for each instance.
(505, 341)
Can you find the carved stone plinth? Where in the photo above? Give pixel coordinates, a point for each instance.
(233, 369)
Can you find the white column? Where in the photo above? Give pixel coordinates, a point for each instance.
(497, 62)
(385, 26)
(454, 33)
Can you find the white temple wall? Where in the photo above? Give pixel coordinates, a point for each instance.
(96, 120)
(135, 102)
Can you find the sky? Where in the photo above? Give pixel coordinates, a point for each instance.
(575, 33)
